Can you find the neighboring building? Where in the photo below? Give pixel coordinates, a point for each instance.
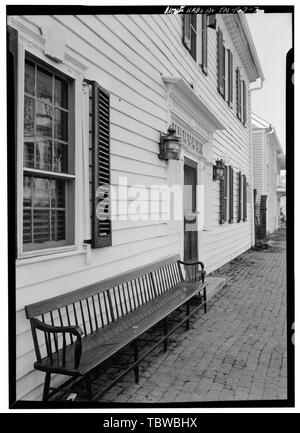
(268, 162)
(154, 71)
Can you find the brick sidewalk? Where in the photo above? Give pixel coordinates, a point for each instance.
(237, 351)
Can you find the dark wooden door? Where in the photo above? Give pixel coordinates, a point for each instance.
(190, 211)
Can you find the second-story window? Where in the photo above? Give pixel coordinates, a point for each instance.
(241, 98)
(230, 77)
(190, 33)
(221, 63)
(238, 94)
(195, 37)
(244, 94)
(204, 44)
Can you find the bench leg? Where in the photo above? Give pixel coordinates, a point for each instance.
(136, 357)
(46, 386)
(88, 388)
(165, 333)
(187, 313)
(204, 298)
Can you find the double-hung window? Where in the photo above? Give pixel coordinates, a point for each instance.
(190, 33)
(48, 158)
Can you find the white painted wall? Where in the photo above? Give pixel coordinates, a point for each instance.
(128, 55)
(271, 181)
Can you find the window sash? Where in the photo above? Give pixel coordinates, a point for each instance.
(221, 63)
(244, 93)
(238, 94)
(67, 177)
(190, 34)
(204, 43)
(230, 77)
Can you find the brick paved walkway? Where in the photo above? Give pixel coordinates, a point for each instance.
(237, 351)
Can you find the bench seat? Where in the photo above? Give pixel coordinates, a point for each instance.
(102, 344)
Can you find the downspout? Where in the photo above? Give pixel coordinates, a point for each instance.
(269, 131)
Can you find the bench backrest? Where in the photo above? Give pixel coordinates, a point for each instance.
(97, 305)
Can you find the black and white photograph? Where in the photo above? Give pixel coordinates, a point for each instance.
(150, 206)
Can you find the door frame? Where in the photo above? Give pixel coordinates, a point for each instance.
(191, 161)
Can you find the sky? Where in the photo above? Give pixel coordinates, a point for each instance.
(272, 36)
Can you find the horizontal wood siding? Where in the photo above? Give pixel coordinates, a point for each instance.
(271, 180)
(128, 55)
(258, 139)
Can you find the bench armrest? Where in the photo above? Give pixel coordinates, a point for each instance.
(192, 264)
(50, 329)
(194, 273)
(71, 329)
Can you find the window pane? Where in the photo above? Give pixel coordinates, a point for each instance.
(61, 92)
(41, 192)
(28, 117)
(41, 226)
(27, 191)
(61, 125)
(43, 154)
(27, 226)
(58, 225)
(28, 154)
(58, 193)
(44, 119)
(29, 78)
(44, 85)
(61, 157)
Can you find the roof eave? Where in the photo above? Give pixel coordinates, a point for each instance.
(246, 29)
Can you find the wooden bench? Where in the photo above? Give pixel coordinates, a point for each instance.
(75, 333)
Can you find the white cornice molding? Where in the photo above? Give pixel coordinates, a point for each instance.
(240, 34)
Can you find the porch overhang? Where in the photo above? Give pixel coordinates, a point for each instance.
(182, 94)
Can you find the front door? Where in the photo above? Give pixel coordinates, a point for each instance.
(190, 211)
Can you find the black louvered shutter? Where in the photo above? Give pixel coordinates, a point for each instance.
(187, 31)
(239, 197)
(244, 198)
(238, 93)
(244, 104)
(230, 194)
(12, 101)
(230, 78)
(221, 63)
(204, 43)
(100, 161)
(222, 202)
(223, 197)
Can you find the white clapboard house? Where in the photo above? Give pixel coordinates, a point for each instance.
(268, 172)
(126, 78)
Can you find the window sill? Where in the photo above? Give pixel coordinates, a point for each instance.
(39, 256)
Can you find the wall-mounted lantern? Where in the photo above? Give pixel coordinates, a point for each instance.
(170, 145)
(218, 170)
